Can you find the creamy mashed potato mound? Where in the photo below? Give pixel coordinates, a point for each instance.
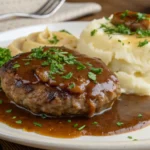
(43, 38)
(121, 53)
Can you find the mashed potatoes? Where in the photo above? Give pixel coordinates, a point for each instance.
(122, 53)
(44, 38)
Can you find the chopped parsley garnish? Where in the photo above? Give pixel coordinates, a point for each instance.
(8, 111)
(80, 66)
(130, 137)
(107, 18)
(140, 115)
(93, 32)
(82, 127)
(122, 29)
(54, 40)
(45, 63)
(27, 63)
(19, 121)
(119, 124)
(5, 56)
(36, 53)
(15, 66)
(72, 85)
(14, 117)
(57, 59)
(68, 76)
(92, 76)
(37, 124)
(143, 43)
(96, 70)
(141, 16)
(55, 68)
(95, 123)
(124, 14)
(142, 33)
(75, 125)
(69, 121)
(121, 42)
(63, 30)
(1, 101)
(43, 116)
(89, 64)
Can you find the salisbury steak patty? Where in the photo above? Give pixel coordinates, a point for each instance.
(59, 82)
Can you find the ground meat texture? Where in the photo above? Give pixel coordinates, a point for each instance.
(29, 84)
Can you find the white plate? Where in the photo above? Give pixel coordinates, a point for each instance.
(115, 142)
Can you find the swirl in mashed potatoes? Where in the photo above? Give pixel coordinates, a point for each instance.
(44, 38)
(127, 54)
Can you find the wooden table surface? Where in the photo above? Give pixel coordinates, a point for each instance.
(111, 6)
(108, 7)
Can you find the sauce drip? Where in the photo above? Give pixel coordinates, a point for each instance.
(125, 110)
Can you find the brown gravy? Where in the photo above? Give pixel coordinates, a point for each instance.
(125, 110)
(97, 93)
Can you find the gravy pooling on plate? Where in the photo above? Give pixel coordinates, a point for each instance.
(129, 113)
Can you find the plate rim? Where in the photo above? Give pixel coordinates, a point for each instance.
(43, 24)
(76, 145)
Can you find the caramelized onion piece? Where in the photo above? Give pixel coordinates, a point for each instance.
(133, 20)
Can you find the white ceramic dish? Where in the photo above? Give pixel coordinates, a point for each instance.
(115, 142)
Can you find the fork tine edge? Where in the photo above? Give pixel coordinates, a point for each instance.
(42, 8)
(49, 5)
(52, 7)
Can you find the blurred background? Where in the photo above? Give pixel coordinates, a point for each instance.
(111, 6)
(68, 10)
